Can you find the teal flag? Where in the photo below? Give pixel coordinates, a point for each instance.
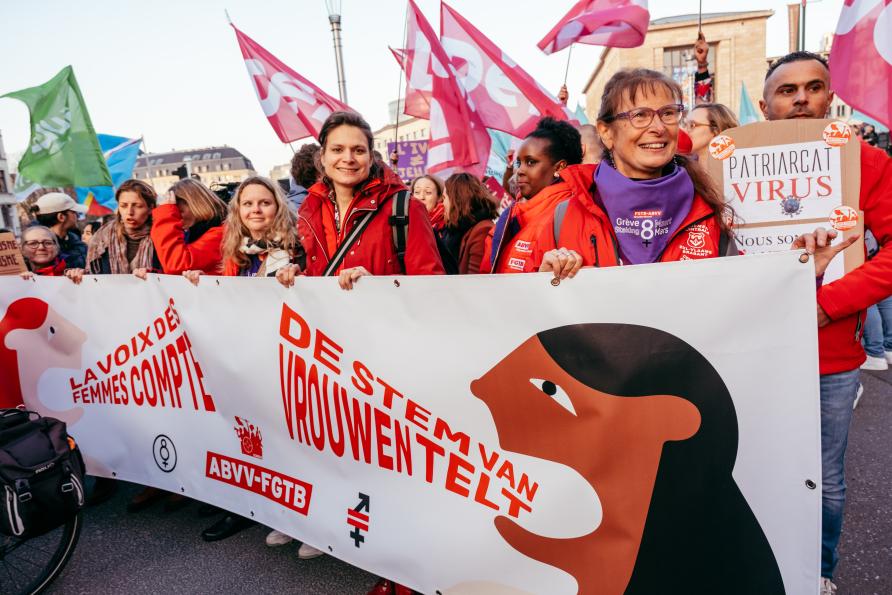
(64, 150)
(748, 113)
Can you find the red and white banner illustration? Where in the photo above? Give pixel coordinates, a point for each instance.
(861, 58)
(611, 23)
(584, 440)
(295, 107)
(458, 138)
(503, 94)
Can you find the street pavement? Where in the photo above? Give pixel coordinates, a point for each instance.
(158, 552)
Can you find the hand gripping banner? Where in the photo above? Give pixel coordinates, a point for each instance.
(585, 440)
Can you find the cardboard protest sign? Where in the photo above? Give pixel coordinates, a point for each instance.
(412, 158)
(788, 177)
(11, 261)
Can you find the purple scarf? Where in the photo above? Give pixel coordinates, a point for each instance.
(644, 213)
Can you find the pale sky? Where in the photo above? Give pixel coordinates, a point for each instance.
(171, 71)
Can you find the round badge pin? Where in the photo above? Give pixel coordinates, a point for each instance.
(837, 134)
(721, 147)
(843, 218)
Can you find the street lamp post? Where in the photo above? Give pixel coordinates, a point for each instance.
(334, 17)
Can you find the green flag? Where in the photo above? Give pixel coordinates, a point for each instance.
(64, 150)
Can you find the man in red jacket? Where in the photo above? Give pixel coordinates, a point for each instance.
(798, 86)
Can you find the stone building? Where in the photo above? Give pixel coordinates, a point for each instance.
(212, 164)
(736, 56)
(9, 219)
(410, 128)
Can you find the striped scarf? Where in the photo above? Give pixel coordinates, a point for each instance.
(111, 239)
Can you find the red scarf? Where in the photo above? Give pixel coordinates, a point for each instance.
(56, 269)
(437, 217)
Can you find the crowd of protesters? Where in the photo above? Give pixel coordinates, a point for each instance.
(349, 215)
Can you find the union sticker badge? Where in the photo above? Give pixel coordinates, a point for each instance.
(837, 134)
(721, 147)
(843, 218)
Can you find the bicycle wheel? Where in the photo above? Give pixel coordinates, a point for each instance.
(28, 566)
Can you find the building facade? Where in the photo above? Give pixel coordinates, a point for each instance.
(212, 164)
(9, 219)
(736, 56)
(409, 128)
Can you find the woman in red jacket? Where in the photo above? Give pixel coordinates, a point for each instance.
(469, 213)
(345, 226)
(643, 202)
(355, 191)
(541, 161)
(188, 229)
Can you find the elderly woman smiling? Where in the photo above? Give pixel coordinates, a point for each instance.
(647, 204)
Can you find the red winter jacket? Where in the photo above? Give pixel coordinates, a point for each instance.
(846, 299)
(175, 255)
(587, 229)
(374, 249)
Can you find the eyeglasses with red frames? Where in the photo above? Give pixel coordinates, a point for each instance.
(641, 117)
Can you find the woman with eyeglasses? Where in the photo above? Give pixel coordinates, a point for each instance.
(644, 203)
(40, 248)
(705, 122)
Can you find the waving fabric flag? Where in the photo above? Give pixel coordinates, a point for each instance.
(120, 155)
(295, 107)
(747, 112)
(416, 102)
(612, 23)
(63, 150)
(458, 138)
(505, 96)
(861, 58)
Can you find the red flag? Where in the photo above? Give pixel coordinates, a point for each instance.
(295, 107)
(861, 58)
(613, 23)
(505, 96)
(458, 138)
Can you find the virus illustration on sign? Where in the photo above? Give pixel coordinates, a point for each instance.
(791, 206)
(250, 438)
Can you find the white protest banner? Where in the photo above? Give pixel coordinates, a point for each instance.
(581, 441)
(787, 177)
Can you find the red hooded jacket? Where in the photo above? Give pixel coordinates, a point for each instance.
(846, 299)
(374, 249)
(175, 255)
(587, 229)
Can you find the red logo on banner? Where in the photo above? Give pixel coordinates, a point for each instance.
(250, 437)
(284, 490)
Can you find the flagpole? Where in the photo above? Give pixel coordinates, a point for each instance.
(567, 69)
(700, 19)
(142, 139)
(395, 156)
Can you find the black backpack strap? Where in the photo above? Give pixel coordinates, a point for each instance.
(727, 245)
(348, 242)
(399, 223)
(560, 211)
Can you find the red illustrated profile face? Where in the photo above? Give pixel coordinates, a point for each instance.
(614, 442)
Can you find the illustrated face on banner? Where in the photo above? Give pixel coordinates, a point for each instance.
(633, 438)
(798, 89)
(31, 326)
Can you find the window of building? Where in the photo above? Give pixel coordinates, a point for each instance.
(3, 181)
(679, 63)
(226, 166)
(216, 155)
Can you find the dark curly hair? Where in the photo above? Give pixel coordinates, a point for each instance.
(303, 165)
(795, 57)
(564, 142)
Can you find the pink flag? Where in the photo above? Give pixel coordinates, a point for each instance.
(505, 96)
(861, 58)
(295, 107)
(614, 23)
(458, 138)
(416, 102)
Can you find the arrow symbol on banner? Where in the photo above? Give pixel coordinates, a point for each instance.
(358, 519)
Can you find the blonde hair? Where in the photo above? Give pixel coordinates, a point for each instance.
(284, 226)
(204, 204)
